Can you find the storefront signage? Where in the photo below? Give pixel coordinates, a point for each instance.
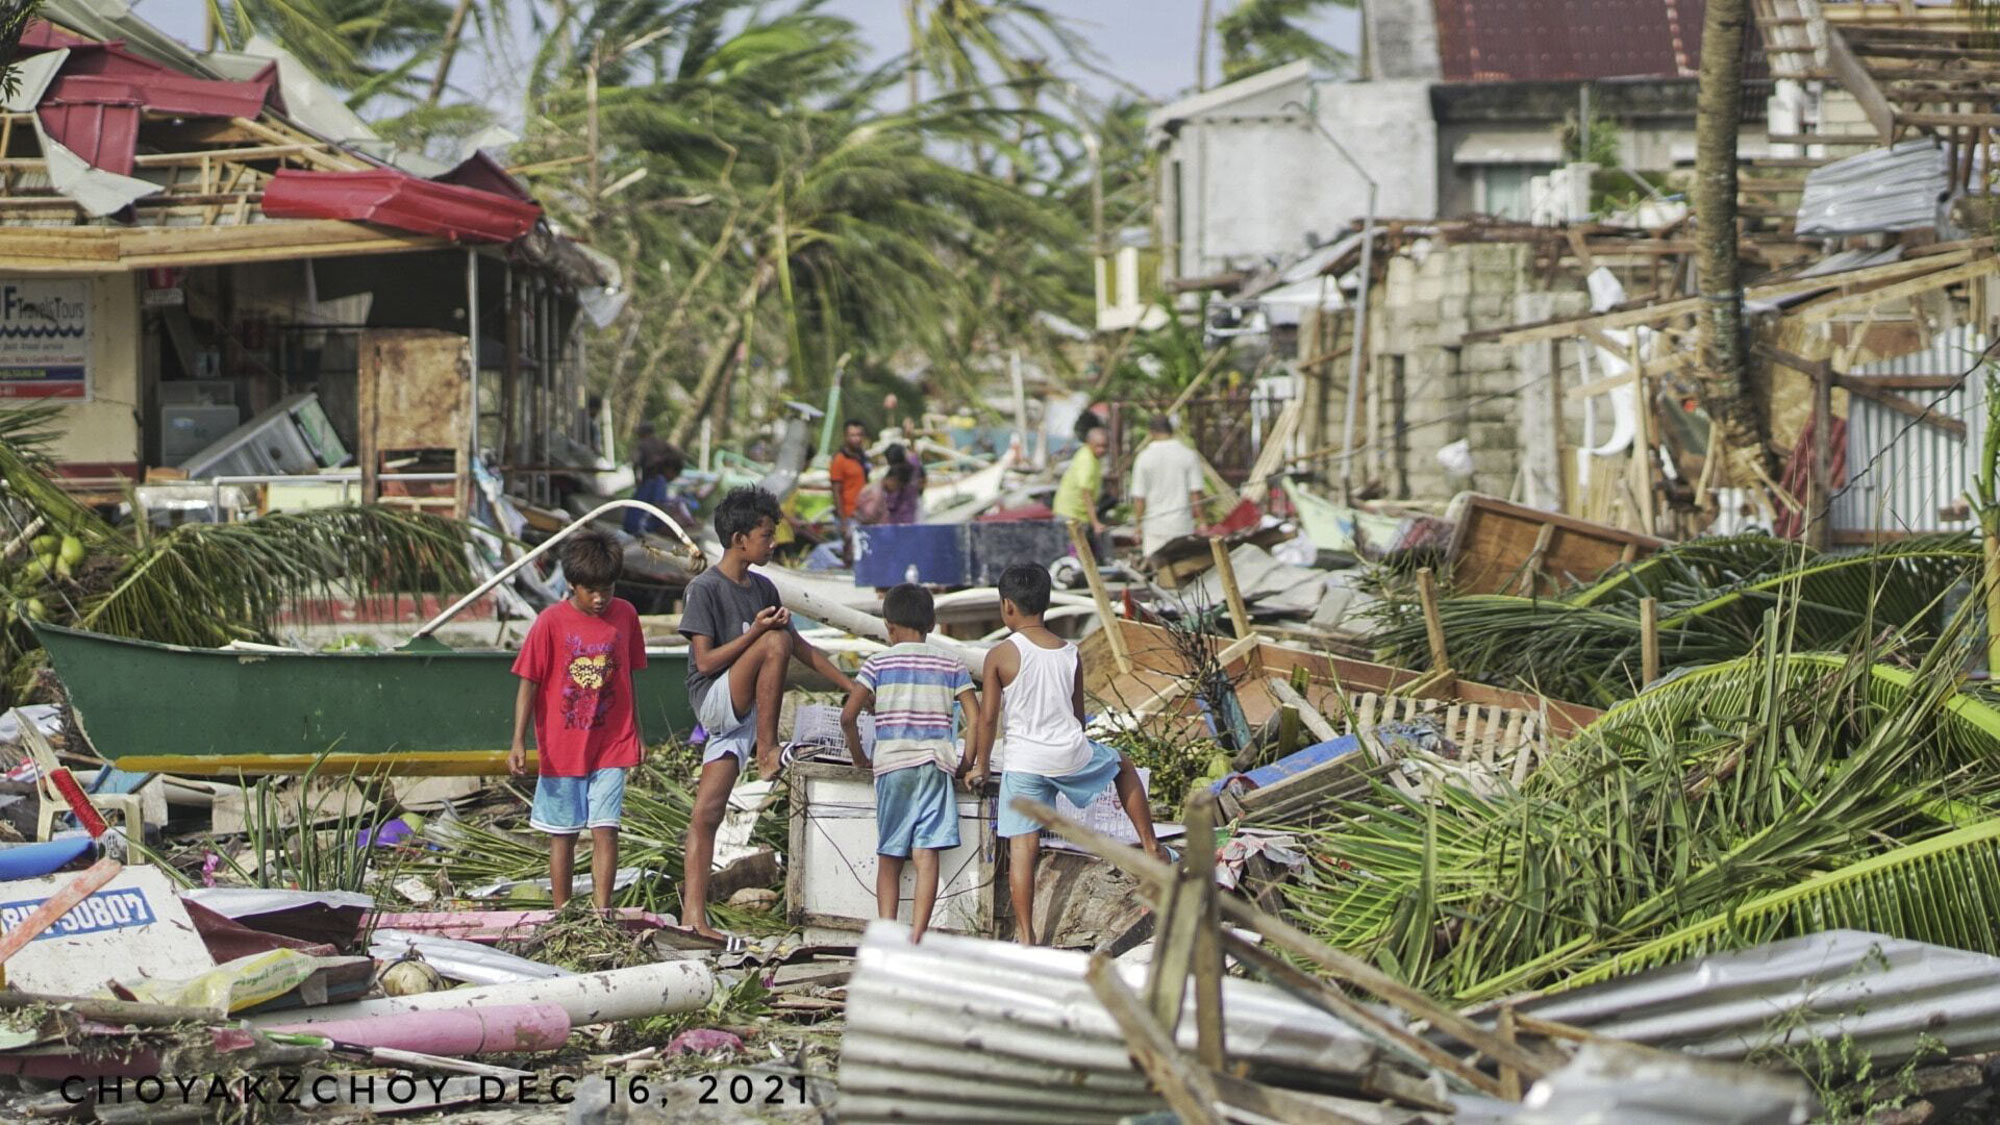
(44, 338)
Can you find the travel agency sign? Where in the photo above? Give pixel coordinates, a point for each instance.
(44, 338)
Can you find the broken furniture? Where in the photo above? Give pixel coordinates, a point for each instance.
(414, 406)
(1503, 548)
(60, 793)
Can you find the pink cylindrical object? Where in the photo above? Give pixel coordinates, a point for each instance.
(499, 1029)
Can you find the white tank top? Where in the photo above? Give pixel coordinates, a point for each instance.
(1043, 735)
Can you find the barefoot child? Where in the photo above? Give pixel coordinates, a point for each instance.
(1038, 678)
(576, 668)
(739, 639)
(910, 688)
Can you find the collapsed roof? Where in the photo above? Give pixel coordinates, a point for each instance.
(123, 132)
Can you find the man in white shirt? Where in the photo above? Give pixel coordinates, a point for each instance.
(1166, 487)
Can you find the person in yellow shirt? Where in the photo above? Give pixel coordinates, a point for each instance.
(1076, 496)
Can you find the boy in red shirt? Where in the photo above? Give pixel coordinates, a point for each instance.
(576, 670)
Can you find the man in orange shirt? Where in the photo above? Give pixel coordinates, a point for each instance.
(849, 473)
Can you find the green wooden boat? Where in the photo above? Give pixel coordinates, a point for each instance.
(223, 712)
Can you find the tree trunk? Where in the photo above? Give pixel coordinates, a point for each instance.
(916, 21)
(1201, 45)
(1727, 391)
(447, 51)
(722, 358)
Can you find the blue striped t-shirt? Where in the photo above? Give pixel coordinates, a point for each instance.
(915, 685)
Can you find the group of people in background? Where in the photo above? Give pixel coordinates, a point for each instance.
(1167, 487)
(861, 498)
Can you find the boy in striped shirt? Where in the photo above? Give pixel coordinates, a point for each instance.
(910, 688)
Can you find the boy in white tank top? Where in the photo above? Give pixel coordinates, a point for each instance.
(1038, 678)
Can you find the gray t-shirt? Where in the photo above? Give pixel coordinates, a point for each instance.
(722, 611)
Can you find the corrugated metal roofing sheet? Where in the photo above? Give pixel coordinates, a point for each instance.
(962, 1029)
(397, 199)
(105, 134)
(1910, 477)
(1570, 40)
(1884, 996)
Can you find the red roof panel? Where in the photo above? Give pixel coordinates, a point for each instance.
(397, 199)
(1568, 40)
(164, 93)
(105, 134)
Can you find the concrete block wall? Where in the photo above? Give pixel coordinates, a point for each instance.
(1431, 297)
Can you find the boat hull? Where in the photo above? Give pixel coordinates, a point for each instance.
(220, 712)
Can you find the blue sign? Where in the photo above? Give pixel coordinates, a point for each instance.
(106, 910)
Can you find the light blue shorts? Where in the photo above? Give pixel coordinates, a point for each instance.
(1081, 787)
(728, 733)
(565, 806)
(914, 808)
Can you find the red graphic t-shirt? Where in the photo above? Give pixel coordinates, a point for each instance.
(582, 667)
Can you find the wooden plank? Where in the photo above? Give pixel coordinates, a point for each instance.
(1288, 938)
(1903, 406)
(1649, 640)
(1855, 79)
(1239, 614)
(1948, 120)
(1858, 302)
(1427, 596)
(1687, 306)
(1198, 867)
(1098, 594)
(1186, 1089)
(1333, 1002)
(1310, 715)
(1910, 382)
(1494, 541)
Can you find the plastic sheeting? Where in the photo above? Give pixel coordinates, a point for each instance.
(466, 961)
(1903, 187)
(1883, 994)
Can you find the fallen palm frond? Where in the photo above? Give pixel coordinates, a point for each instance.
(659, 805)
(1944, 890)
(1711, 594)
(1761, 788)
(198, 584)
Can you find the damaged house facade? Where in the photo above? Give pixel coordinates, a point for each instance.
(1531, 325)
(216, 271)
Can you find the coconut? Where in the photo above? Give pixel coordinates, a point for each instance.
(72, 550)
(409, 977)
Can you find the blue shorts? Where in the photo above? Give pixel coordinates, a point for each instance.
(914, 808)
(565, 806)
(1081, 787)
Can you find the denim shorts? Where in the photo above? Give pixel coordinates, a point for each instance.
(914, 808)
(565, 806)
(1081, 787)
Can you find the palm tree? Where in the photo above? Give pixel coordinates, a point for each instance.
(1260, 34)
(1726, 387)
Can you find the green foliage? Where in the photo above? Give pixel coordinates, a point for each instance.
(1776, 794)
(1176, 764)
(1584, 645)
(1258, 35)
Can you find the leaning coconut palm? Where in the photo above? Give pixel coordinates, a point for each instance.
(196, 584)
(1725, 788)
(1712, 594)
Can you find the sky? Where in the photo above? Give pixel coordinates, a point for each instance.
(1147, 43)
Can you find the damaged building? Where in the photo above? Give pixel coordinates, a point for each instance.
(247, 283)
